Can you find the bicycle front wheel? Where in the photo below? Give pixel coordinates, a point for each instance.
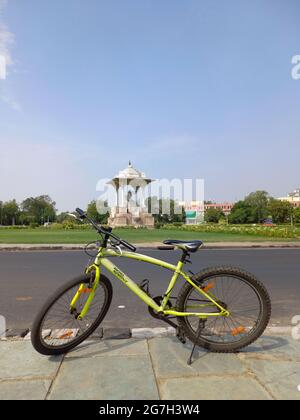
(239, 292)
(57, 329)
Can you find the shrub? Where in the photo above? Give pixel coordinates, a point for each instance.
(14, 227)
(68, 225)
(254, 230)
(159, 225)
(33, 225)
(56, 226)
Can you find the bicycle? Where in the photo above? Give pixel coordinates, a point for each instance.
(208, 308)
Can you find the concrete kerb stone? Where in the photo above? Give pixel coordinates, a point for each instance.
(17, 333)
(153, 332)
(125, 333)
(150, 245)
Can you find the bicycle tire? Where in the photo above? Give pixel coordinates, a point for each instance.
(39, 343)
(238, 273)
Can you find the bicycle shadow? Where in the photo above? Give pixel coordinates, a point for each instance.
(101, 347)
(263, 345)
(266, 343)
(121, 347)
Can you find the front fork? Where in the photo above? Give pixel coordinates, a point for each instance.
(94, 271)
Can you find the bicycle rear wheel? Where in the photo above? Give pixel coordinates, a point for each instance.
(56, 329)
(240, 293)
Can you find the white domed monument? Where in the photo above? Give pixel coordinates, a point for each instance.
(130, 209)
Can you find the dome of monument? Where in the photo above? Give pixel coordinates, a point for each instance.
(130, 172)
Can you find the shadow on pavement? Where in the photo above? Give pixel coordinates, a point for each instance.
(102, 347)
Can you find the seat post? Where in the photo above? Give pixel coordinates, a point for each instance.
(184, 255)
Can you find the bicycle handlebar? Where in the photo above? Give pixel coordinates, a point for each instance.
(127, 245)
(105, 231)
(80, 212)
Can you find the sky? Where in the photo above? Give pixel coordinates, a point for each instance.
(183, 89)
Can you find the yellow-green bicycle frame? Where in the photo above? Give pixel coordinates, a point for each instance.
(102, 260)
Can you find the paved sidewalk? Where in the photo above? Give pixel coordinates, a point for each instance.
(151, 369)
(207, 245)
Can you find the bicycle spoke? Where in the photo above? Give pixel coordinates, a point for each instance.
(61, 322)
(242, 303)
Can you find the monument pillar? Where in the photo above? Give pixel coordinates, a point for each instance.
(128, 213)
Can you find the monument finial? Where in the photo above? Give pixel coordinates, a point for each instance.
(129, 164)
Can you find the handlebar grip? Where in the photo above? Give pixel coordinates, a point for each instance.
(80, 212)
(128, 245)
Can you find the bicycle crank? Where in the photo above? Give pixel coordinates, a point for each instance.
(158, 300)
(179, 333)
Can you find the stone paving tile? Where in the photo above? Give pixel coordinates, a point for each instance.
(18, 359)
(24, 390)
(112, 377)
(123, 369)
(212, 388)
(255, 347)
(281, 378)
(270, 347)
(103, 348)
(169, 358)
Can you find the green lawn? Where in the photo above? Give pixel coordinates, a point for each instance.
(51, 236)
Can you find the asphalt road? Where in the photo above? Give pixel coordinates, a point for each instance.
(28, 278)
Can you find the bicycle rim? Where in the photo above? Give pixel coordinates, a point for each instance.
(60, 327)
(239, 297)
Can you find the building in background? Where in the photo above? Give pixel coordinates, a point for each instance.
(194, 210)
(225, 207)
(293, 198)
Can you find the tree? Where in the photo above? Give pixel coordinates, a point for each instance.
(258, 202)
(94, 214)
(165, 210)
(281, 211)
(240, 213)
(253, 209)
(296, 214)
(213, 215)
(38, 210)
(63, 216)
(10, 212)
(1, 212)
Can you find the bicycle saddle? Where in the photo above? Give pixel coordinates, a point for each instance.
(190, 246)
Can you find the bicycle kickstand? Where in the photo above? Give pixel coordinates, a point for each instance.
(180, 335)
(200, 328)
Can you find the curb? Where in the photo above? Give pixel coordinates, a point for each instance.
(125, 333)
(150, 245)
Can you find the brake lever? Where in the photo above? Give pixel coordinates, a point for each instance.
(115, 246)
(120, 249)
(74, 217)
